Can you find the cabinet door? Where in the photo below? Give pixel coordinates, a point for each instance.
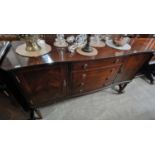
(43, 84)
(131, 66)
(86, 81)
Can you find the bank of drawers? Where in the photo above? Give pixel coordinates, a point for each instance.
(92, 75)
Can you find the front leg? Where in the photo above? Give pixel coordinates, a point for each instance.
(37, 112)
(150, 76)
(122, 87)
(148, 72)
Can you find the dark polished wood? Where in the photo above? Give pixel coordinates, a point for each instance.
(130, 67)
(13, 61)
(60, 74)
(86, 81)
(42, 84)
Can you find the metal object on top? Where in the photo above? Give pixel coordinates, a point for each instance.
(87, 47)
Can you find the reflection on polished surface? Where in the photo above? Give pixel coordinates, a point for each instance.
(12, 60)
(47, 59)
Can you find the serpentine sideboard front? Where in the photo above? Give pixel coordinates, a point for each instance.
(59, 74)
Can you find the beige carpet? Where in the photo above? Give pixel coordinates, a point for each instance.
(138, 102)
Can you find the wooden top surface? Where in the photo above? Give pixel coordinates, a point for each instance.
(13, 60)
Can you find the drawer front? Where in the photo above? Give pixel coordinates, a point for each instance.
(89, 65)
(86, 81)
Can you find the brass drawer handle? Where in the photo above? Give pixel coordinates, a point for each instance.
(120, 69)
(84, 75)
(112, 70)
(81, 90)
(82, 83)
(85, 66)
(116, 61)
(64, 83)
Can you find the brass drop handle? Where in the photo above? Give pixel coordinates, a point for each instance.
(82, 84)
(116, 61)
(64, 83)
(85, 66)
(84, 75)
(121, 69)
(81, 90)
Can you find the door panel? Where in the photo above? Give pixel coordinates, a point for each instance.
(130, 67)
(43, 84)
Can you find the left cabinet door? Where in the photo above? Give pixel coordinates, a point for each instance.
(42, 85)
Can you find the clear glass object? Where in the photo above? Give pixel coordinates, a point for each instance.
(60, 37)
(72, 48)
(60, 41)
(96, 39)
(70, 39)
(81, 39)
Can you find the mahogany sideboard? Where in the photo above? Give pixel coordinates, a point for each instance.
(59, 74)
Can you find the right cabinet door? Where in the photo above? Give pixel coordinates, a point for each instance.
(130, 67)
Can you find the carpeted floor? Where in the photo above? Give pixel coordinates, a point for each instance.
(138, 102)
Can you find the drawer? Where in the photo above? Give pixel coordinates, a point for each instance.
(86, 81)
(95, 64)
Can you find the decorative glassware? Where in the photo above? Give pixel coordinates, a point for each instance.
(81, 40)
(95, 39)
(102, 36)
(72, 48)
(70, 39)
(60, 41)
